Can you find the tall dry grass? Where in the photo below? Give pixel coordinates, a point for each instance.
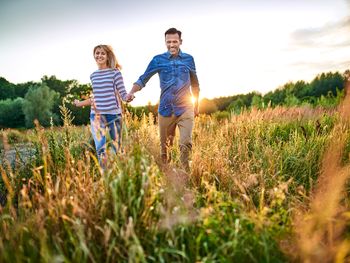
(320, 225)
(249, 173)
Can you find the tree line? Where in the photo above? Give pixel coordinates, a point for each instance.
(21, 104)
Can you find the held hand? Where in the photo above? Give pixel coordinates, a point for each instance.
(129, 97)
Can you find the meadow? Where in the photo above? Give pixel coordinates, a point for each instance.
(265, 186)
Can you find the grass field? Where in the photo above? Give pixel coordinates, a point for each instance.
(264, 186)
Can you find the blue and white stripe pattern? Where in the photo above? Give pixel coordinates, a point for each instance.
(105, 82)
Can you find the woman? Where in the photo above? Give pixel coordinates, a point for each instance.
(106, 112)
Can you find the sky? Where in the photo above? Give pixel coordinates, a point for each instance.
(238, 46)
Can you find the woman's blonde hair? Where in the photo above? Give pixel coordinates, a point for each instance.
(112, 61)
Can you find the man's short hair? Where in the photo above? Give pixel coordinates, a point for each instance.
(173, 30)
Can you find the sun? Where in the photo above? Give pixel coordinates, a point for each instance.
(193, 99)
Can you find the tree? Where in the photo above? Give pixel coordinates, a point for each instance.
(7, 89)
(236, 106)
(326, 82)
(291, 100)
(207, 106)
(276, 97)
(223, 102)
(11, 113)
(38, 104)
(301, 89)
(56, 85)
(257, 101)
(65, 90)
(22, 88)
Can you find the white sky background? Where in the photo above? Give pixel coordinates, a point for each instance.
(238, 46)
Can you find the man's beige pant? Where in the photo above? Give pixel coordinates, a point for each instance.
(167, 126)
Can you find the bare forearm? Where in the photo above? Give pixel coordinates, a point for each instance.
(130, 96)
(82, 103)
(195, 93)
(196, 102)
(135, 88)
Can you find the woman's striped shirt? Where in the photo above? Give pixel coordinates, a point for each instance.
(106, 84)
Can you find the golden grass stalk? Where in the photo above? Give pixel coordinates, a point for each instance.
(319, 230)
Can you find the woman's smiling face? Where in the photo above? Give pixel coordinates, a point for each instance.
(101, 58)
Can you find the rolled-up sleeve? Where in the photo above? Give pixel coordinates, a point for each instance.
(152, 69)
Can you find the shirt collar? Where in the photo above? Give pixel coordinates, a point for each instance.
(169, 55)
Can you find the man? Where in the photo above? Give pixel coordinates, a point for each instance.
(178, 84)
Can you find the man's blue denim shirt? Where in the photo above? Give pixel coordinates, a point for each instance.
(176, 76)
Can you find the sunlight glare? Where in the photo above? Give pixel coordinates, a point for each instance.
(193, 99)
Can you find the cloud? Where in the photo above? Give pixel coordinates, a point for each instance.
(322, 66)
(321, 49)
(331, 35)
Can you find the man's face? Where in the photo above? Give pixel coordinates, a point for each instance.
(173, 42)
